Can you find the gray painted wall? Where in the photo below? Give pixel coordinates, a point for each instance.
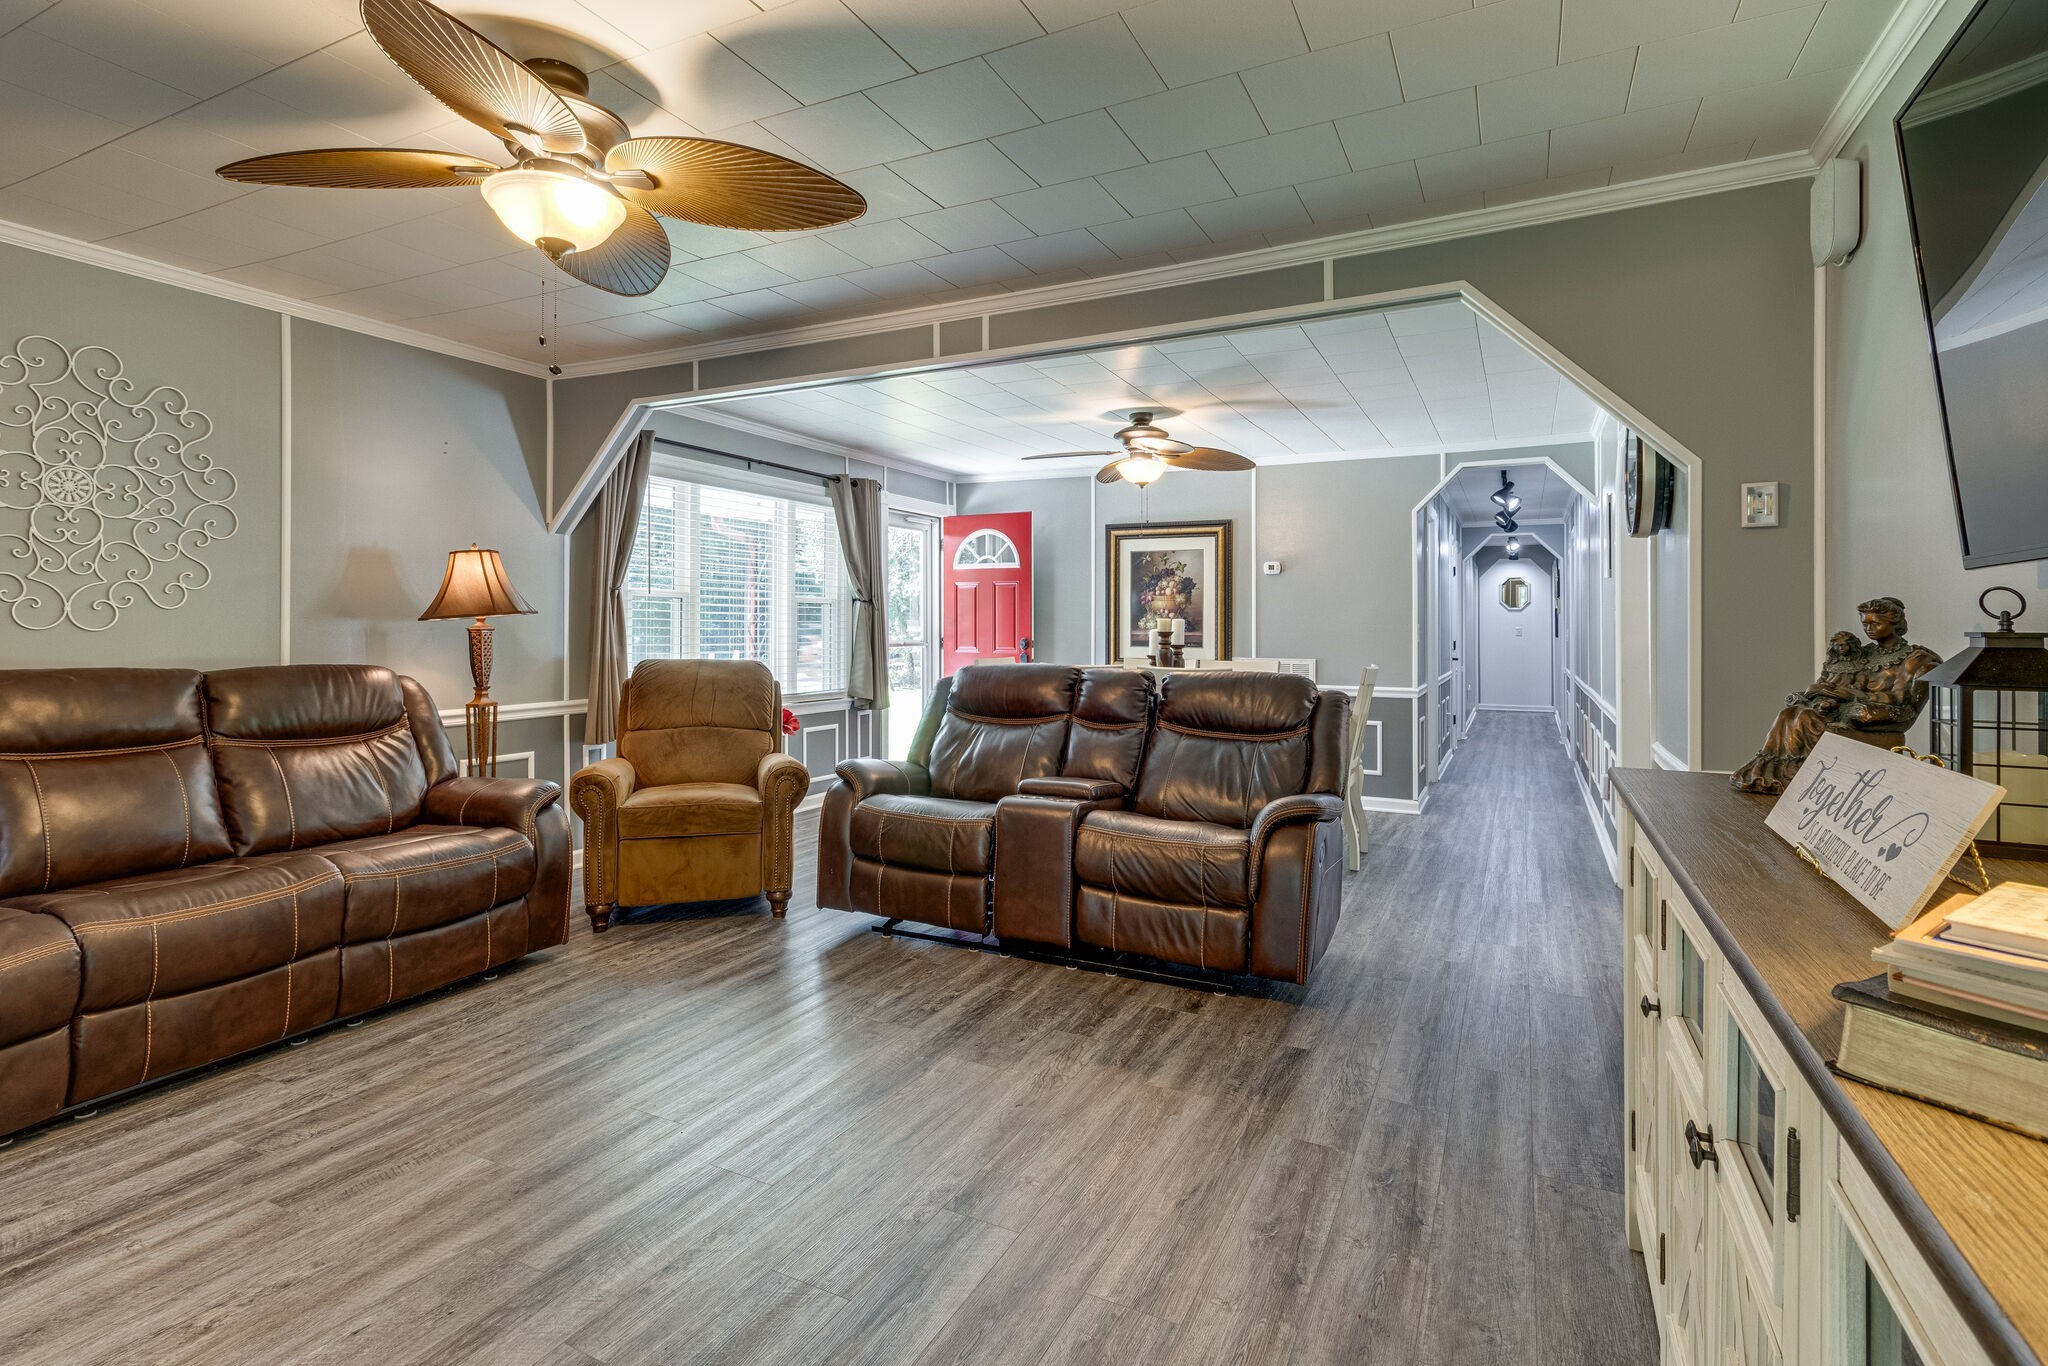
(225, 357)
(1671, 635)
(1890, 514)
(1064, 552)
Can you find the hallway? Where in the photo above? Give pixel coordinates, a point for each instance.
(727, 1138)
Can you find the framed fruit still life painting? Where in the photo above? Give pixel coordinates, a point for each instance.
(1162, 572)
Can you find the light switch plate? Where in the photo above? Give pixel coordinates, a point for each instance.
(1761, 504)
(1270, 567)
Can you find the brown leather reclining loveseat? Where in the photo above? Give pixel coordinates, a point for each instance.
(192, 866)
(1073, 807)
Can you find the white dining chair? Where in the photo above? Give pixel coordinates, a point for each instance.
(1355, 832)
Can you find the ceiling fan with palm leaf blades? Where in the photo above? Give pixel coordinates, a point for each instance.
(1148, 452)
(582, 188)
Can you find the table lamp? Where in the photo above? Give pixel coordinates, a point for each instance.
(475, 586)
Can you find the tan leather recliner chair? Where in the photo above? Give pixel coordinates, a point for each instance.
(700, 803)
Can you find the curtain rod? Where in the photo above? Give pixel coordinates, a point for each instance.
(748, 460)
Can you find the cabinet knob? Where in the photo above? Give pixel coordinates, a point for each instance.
(1650, 1007)
(1699, 1146)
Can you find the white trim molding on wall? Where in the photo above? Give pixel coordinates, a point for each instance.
(521, 711)
(1666, 760)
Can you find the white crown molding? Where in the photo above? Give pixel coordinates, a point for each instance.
(1979, 90)
(1887, 56)
(179, 277)
(1477, 222)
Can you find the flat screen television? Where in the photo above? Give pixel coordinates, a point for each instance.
(1973, 142)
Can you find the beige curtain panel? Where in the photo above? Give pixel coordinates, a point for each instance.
(618, 522)
(858, 503)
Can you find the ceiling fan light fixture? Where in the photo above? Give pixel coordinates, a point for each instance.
(1141, 469)
(554, 206)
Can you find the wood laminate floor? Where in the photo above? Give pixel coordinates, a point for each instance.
(736, 1140)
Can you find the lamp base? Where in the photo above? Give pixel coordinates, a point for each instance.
(480, 713)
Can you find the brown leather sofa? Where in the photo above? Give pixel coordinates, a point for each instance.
(192, 866)
(1074, 808)
(700, 804)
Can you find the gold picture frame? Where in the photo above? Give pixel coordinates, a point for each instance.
(1163, 570)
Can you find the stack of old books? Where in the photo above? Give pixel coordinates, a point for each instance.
(1960, 1016)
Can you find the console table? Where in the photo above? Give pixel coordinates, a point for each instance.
(1786, 1215)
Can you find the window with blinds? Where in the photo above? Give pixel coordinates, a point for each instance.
(728, 571)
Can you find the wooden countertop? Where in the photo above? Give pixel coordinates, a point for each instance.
(1973, 1196)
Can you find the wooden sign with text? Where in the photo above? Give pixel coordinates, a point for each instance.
(1885, 826)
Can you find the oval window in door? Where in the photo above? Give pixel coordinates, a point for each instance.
(1514, 594)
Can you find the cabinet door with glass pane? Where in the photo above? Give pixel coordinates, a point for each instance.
(1684, 1196)
(1642, 1009)
(1756, 1152)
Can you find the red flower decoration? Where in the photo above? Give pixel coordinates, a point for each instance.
(790, 725)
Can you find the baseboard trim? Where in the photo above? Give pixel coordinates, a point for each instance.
(1393, 806)
(1502, 706)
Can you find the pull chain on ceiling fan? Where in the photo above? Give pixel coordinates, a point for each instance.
(582, 189)
(1148, 453)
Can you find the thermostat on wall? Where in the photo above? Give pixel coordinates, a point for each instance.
(1837, 209)
(1270, 567)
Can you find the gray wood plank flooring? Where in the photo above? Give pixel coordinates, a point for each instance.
(727, 1139)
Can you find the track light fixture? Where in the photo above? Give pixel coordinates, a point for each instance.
(1505, 495)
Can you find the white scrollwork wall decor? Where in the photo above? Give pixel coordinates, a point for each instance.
(107, 495)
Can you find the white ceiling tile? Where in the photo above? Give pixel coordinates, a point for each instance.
(979, 266)
(1192, 118)
(657, 23)
(735, 272)
(969, 226)
(960, 103)
(1290, 158)
(1088, 144)
(1403, 132)
(828, 293)
(1381, 189)
(1573, 93)
(883, 244)
(806, 258)
(897, 281)
(1654, 132)
(353, 84)
(1195, 40)
(1596, 26)
(1489, 43)
(635, 104)
(1317, 87)
(35, 141)
(960, 175)
(701, 239)
(155, 41)
(815, 49)
(1060, 208)
(1843, 35)
(1163, 185)
(888, 194)
(1056, 250)
(1776, 117)
(1331, 22)
(1547, 188)
(1730, 58)
(1154, 232)
(962, 28)
(1245, 215)
(762, 305)
(1076, 69)
(81, 80)
(1059, 14)
(704, 84)
(844, 134)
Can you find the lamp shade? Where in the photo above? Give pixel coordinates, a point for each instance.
(475, 586)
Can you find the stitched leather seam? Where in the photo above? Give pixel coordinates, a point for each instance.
(200, 912)
(31, 955)
(1308, 856)
(313, 742)
(1197, 842)
(290, 813)
(921, 816)
(1085, 723)
(390, 955)
(149, 1002)
(490, 906)
(185, 798)
(412, 868)
(43, 817)
(1010, 720)
(1294, 734)
(105, 753)
(288, 964)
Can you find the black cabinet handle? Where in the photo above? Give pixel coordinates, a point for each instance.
(1650, 1007)
(1699, 1146)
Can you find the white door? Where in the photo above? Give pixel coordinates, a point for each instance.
(1514, 636)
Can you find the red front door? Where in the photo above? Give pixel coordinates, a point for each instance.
(985, 587)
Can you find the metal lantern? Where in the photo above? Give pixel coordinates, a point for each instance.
(1988, 707)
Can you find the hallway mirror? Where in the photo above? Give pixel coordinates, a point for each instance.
(1514, 594)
